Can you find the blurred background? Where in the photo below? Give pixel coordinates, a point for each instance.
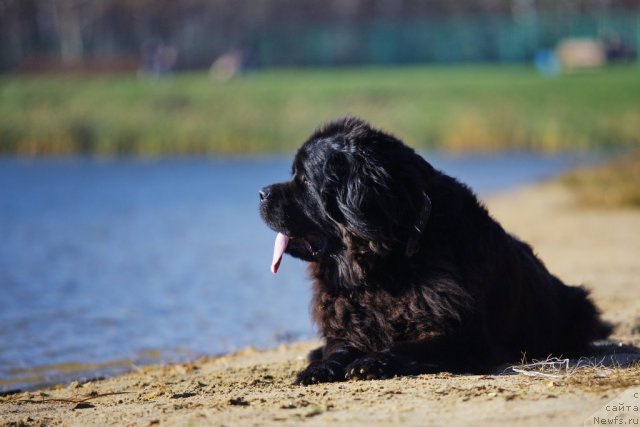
(136, 134)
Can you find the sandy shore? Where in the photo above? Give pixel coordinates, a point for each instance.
(599, 248)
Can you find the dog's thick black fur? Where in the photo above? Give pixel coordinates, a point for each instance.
(411, 274)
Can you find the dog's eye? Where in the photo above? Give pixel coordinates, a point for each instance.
(301, 179)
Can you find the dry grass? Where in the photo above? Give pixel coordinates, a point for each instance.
(613, 185)
(591, 374)
(598, 380)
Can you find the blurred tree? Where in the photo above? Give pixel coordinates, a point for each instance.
(202, 30)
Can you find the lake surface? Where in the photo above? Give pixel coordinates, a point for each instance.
(105, 265)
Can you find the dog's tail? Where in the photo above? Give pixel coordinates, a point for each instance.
(582, 319)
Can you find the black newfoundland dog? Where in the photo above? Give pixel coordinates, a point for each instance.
(411, 274)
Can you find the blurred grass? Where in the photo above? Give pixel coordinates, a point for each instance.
(453, 108)
(616, 184)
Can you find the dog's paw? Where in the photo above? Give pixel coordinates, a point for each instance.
(371, 367)
(320, 372)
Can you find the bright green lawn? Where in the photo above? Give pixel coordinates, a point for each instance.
(454, 108)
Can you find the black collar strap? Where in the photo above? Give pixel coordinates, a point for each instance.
(418, 227)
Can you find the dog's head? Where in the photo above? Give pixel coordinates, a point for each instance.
(356, 195)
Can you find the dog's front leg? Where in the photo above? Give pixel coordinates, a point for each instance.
(419, 357)
(336, 355)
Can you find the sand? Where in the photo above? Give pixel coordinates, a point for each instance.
(599, 248)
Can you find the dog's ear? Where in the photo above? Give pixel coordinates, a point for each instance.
(374, 189)
(372, 207)
(370, 204)
(382, 200)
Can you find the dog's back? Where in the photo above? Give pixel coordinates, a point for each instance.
(521, 308)
(549, 317)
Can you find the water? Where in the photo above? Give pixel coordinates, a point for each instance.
(108, 264)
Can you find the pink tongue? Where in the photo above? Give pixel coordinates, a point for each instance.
(278, 250)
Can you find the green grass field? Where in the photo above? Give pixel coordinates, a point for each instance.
(452, 108)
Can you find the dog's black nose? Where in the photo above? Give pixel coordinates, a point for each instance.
(264, 194)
